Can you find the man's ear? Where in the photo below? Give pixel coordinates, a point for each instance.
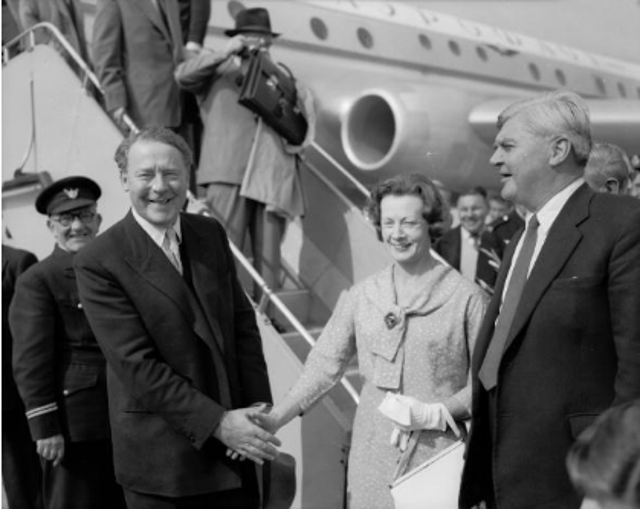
(612, 186)
(50, 224)
(560, 150)
(124, 180)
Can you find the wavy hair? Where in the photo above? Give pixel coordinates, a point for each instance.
(435, 212)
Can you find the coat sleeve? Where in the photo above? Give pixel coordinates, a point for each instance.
(32, 322)
(198, 20)
(623, 288)
(108, 53)
(134, 357)
(459, 404)
(196, 74)
(328, 359)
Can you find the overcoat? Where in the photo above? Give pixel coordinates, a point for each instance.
(59, 369)
(231, 135)
(572, 351)
(180, 351)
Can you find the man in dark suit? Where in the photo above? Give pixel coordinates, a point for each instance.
(21, 474)
(183, 349)
(136, 46)
(470, 247)
(58, 367)
(560, 342)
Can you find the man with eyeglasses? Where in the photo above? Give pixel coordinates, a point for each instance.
(58, 366)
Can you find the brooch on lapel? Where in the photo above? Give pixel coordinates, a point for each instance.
(390, 320)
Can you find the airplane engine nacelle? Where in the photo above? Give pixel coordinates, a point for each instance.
(389, 131)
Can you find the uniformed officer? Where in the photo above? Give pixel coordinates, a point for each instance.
(58, 367)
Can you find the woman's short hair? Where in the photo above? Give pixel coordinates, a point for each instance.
(159, 134)
(557, 113)
(435, 211)
(604, 462)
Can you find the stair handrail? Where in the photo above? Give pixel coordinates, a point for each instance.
(345, 173)
(62, 40)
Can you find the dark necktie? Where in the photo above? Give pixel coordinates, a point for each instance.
(489, 370)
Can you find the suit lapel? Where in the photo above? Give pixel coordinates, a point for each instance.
(561, 242)
(202, 259)
(151, 263)
(150, 10)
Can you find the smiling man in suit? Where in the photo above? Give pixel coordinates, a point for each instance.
(560, 342)
(470, 247)
(183, 350)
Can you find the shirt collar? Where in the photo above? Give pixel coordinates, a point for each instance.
(157, 234)
(550, 210)
(466, 234)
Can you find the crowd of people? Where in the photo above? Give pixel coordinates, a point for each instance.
(139, 378)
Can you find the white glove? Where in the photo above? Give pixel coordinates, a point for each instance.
(410, 414)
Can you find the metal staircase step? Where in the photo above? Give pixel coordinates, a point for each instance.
(298, 301)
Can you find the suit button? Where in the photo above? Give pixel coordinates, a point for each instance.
(192, 438)
(79, 305)
(65, 392)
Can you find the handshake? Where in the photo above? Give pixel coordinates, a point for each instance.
(249, 433)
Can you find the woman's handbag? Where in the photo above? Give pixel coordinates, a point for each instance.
(435, 484)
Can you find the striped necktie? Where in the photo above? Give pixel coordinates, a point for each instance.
(488, 373)
(171, 249)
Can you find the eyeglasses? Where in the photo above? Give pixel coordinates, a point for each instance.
(406, 225)
(85, 217)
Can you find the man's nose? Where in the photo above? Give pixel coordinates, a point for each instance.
(158, 183)
(76, 223)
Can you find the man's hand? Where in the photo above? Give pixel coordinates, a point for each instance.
(118, 117)
(238, 432)
(235, 45)
(51, 449)
(481, 505)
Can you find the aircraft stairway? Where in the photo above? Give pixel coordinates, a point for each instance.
(54, 126)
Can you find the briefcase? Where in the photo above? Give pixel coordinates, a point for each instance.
(269, 90)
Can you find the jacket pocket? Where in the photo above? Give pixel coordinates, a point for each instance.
(76, 381)
(578, 282)
(579, 422)
(133, 407)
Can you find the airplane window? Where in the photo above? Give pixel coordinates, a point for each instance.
(600, 85)
(621, 90)
(365, 38)
(425, 41)
(319, 28)
(562, 79)
(535, 72)
(454, 47)
(482, 54)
